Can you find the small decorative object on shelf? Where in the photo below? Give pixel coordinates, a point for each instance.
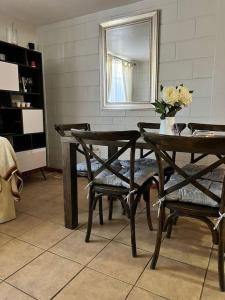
(2, 57)
(31, 46)
(172, 101)
(27, 84)
(33, 64)
(12, 34)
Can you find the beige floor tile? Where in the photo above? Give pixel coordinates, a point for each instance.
(14, 255)
(189, 234)
(31, 203)
(109, 229)
(4, 239)
(90, 285)
(45, 209)
(116, 260)
(173, 280)
(45, 276)
(75, 248)
(141, 219)
(45, 235)
(139, 294)
(192, 252)
(193, 224)
(8, 292)
(211, 288)
(145, 239)
(20, 225)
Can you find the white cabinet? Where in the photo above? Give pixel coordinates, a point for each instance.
(9, 76)
(31, 159)
(33, 121)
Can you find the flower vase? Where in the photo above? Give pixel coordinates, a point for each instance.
(167, 125)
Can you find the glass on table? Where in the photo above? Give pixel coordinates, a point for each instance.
(176, 129)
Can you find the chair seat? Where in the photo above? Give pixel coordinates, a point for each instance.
(141, 175)
(95, 165)
(213, 181)
(144, 162)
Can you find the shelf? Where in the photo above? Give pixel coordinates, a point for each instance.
(20, 47)
(21, 65)
(19, 108)
(19, 92)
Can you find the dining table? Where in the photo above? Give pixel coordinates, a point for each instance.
(70, 178)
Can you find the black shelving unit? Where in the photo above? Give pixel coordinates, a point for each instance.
(12, 119)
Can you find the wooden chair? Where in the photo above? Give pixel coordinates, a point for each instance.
(145, 127)
(126, 184)
(204, 127)
(202, 201)
(65, 129)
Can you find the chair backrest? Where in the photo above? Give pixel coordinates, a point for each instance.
(161, 144)
(128, 139)
(63, 128)
(143, 127)
(207, 127)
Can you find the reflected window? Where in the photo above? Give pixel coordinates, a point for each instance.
(120, 73)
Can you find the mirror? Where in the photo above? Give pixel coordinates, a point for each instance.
(129, 62)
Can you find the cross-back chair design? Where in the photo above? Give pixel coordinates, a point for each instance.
(204, 180)
(63, 130)
(145, 127)
(204, 127)
(109, 180)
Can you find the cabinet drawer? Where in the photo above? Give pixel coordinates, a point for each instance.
(9, 78)
(33, 120)
(31, 159)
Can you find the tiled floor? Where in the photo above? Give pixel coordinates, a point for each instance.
(40, 259)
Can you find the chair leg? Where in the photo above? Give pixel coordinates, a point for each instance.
(221, 256)
(175, 219)
(156, 182)
(90, 215)
(43, 173)
(100, 211)
(133, 208)
(110, 207)
(169, 228)
(146, 196)
(158, 238)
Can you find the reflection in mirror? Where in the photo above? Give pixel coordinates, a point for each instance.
(129, 62)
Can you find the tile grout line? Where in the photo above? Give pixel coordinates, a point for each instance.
(20, 290)
(86, 266)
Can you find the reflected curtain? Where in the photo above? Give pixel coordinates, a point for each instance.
(119, 79)
(127, 70)
(109, 74)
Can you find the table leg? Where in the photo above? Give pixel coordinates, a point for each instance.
(69, 156)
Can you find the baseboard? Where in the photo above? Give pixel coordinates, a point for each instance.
(50, 169)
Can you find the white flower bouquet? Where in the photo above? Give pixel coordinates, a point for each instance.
(172, 101)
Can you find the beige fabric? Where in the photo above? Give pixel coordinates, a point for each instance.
(7, 207)
(11, 182)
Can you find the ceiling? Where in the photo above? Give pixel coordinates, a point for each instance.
(41, 12)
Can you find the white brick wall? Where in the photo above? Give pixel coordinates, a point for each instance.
(187, 54)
